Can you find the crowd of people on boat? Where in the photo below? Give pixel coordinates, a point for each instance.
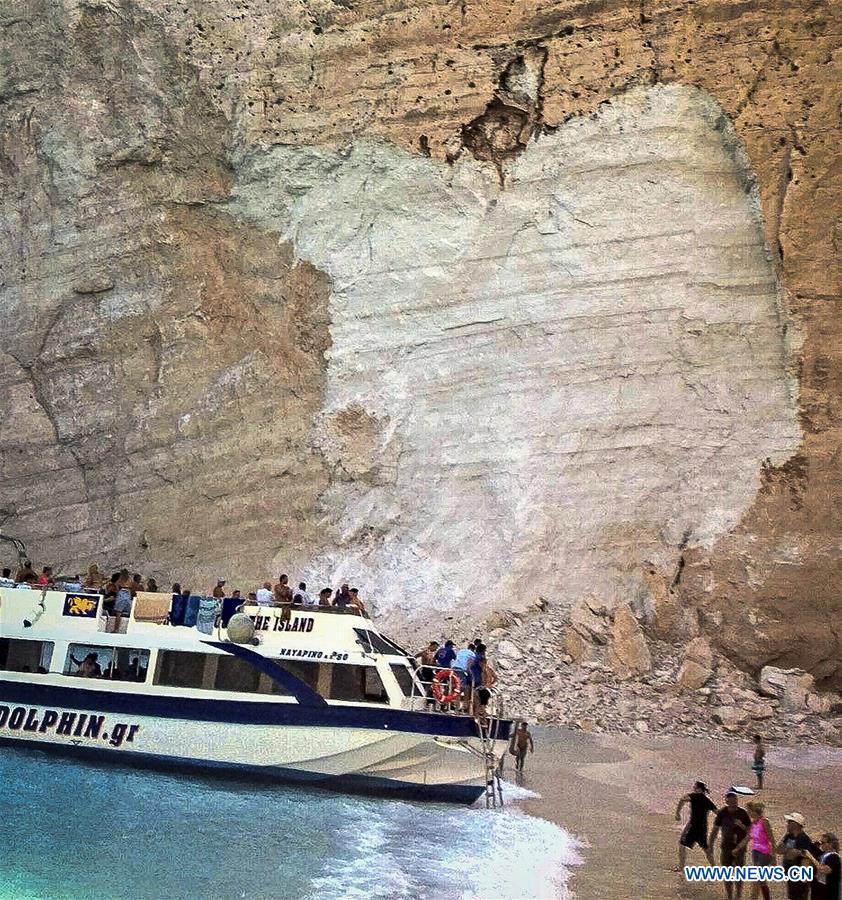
(457, 678)
(747, 836)
(120, 589)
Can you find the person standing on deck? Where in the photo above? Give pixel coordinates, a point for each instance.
(123, 601)
(461, 666)
(26, 574)
(445, 655)
(94, 579)
(282, 591)
(324, 596)
(356, 602)
(696, 830)
(301, 595)
(219, 591)
(264, 594)
(343, 596)
(426, 660)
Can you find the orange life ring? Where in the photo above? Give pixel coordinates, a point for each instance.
(453, 682)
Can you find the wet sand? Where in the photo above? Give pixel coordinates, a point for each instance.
(617, 794)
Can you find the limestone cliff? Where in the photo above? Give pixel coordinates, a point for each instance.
(468, 302)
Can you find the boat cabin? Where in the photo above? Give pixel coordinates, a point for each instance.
(338, 653)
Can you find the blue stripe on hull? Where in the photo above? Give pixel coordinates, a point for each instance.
(256, 776)
(241, 712)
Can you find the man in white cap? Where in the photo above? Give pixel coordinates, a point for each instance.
(794, 848)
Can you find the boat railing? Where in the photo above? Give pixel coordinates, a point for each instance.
(443, 691)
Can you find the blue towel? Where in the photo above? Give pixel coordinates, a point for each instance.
(208, 611)
(177, 609)
(191, 613)
(229, 607)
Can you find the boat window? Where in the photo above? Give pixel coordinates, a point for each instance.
(212, 672)
(372, 642)
(357, 683)
(308, 672)
(235, 674)
(404, 677)
(179, 669)
(114, 663)
(25, 656)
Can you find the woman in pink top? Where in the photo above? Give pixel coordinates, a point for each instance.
(762, 844)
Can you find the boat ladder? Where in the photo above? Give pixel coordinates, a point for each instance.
(488, 728)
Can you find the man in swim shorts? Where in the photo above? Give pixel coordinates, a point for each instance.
(696, 830)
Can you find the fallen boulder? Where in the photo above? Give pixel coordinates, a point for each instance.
(692, 675)
(628, 653)
(790, 686)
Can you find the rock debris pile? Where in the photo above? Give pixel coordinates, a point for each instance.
(596, 669)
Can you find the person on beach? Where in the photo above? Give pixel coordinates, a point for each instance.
(523, 742)
(796, 848)
(759, 764)
(696, 830)
(761, 839)
(828, 875)
(734, 823)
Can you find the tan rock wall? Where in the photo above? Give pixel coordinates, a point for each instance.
(162, 354)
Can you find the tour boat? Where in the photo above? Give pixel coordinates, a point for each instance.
(298, 693)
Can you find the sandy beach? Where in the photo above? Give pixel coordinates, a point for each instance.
(617, 794)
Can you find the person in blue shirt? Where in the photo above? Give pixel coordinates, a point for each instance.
(445, 655)
(462, 667)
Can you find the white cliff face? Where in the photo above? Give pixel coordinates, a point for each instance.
(531, 391)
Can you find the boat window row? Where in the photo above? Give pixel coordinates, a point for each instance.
(202, 671)
(205, 671)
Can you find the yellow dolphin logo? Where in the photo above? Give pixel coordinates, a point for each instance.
(80, 606)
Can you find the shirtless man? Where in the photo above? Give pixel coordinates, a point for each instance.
(282, 594)
(523, 742)
(282, 590)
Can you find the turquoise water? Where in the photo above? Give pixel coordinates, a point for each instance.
(80, 831)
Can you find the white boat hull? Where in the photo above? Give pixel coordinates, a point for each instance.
(377, 760)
